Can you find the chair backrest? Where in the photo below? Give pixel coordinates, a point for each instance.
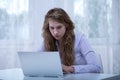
(100, 60)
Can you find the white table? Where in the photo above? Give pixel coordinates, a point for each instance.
(17, 74)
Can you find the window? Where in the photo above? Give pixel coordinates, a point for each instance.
(92, 17)
(13, 20)
(14, 31)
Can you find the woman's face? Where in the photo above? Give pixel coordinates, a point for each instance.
(57, 29)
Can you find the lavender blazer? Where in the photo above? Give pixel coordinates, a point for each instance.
(86, 60)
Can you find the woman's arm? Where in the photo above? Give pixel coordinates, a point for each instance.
(93, 64)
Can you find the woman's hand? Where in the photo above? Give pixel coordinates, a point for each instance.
(67, 69)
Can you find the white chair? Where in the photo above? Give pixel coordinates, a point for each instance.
(100, 60)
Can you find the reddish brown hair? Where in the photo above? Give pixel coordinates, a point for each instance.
(66, 48)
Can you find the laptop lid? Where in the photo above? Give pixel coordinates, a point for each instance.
(45, 64)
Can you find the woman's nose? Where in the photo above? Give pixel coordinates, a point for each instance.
(55, 31)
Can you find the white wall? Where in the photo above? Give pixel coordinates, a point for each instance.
(115, 36)
(37, 10)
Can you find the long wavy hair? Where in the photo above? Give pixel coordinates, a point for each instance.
(66, 48)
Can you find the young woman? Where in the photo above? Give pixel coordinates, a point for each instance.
(76, 54)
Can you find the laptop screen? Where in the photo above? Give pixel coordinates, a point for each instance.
(46, 64)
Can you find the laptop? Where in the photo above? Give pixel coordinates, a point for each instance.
(41, 64)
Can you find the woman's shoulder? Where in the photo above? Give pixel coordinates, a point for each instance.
(78, 34)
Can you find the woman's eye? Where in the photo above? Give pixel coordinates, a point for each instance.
(51, 28)
(59, 27)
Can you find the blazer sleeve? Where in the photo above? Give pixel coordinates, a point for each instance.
(93, 64)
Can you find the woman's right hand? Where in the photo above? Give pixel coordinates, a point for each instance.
(67, 69)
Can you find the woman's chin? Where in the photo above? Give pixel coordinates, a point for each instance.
(57, 39)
